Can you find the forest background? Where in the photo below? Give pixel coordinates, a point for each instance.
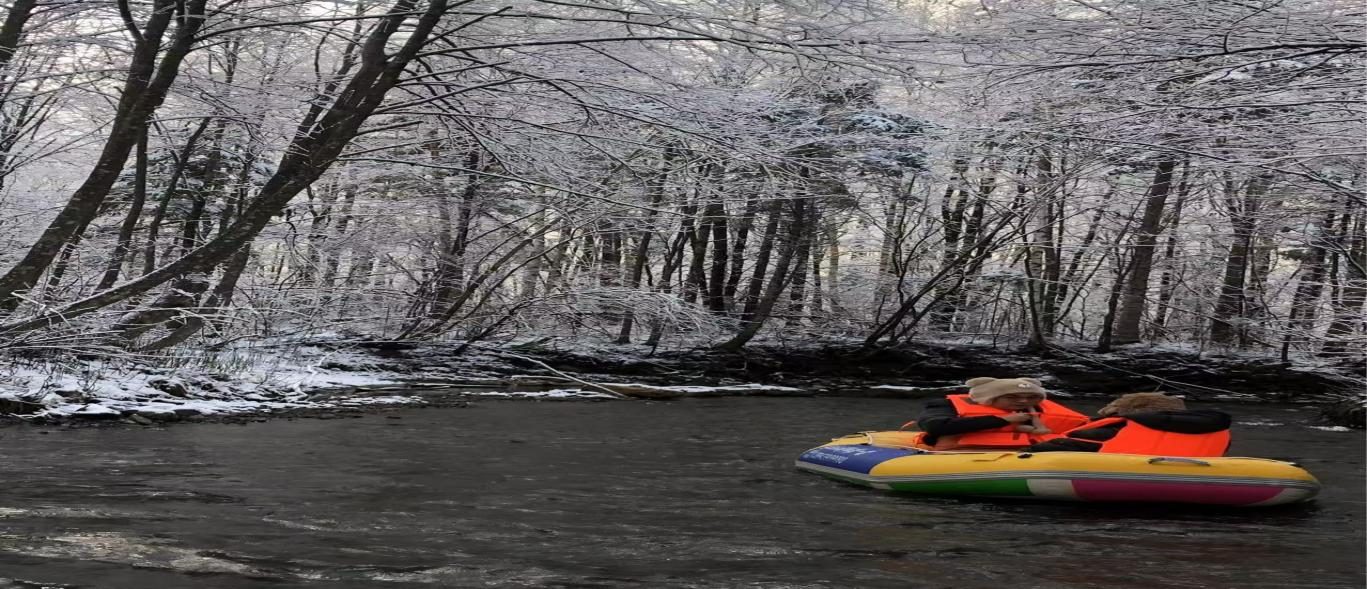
(184, 177)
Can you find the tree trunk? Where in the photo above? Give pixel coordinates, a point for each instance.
(695, 285)
(12, 32)
(1231, 307)
(312, 150)
(716, 282)
(673, 259)
(183, 294)
(1052, 234)
(1166, 284)
(1069, 278)
(818, 252)
(952, 226)
(890, 248)
(797, 295)
(610, 262)
(221, 297)
(196, 225)
(747, 221)
(450, 275)
(1348, 311)
(1107, 336)
(436, 323)
(949, 277)
(54, 278)
(832, 238)
(339, 231)
(143, 92)
(130, 221)
(531, 272)
(149, 253)
(796, 232)
(1136, 291)
(766, 246)
(639, 255)
(1306, 300)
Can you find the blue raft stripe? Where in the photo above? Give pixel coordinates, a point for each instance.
(854, 458)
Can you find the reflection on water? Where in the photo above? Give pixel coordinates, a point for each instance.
(698, 493)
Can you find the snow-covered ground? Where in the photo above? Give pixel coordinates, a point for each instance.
(110, 389)
(328, 375)
(329, 371)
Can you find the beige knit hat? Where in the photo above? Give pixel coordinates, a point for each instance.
(1141, 402)
(983, 389)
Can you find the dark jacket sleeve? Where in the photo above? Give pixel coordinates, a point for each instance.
(1199, 421)
(1192, 421)
(1098, 434)
(1081, 440)
(940, 419)
(1065, 445)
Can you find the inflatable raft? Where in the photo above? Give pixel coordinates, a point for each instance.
(885, 460)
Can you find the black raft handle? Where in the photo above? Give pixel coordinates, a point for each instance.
(1157, 459)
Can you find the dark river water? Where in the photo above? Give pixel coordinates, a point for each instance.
(694, 493)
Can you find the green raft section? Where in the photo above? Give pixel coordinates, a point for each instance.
(991, 488)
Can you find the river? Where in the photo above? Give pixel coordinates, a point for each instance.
(691, 493)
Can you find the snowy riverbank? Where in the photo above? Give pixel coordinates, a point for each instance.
(308, 378)
(325, 375)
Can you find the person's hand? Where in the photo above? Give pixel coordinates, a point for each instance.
(1017, 418)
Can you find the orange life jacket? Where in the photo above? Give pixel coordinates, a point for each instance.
(1136, 438)
(1054, 416)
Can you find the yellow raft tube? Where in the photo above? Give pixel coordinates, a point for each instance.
(887, 460)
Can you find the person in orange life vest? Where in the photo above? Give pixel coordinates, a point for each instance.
(1147, 423)
(996, 413)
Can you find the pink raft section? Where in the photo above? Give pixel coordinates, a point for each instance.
(1214, 494)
